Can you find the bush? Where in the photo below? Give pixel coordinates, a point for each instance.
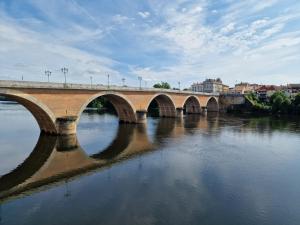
(280, 103)
(297, 100)
(257, 105)
(163, 85)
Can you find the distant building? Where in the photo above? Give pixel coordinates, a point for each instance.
(244, 88)
(225, 88)
(292, 89)
(266, 91)
(210, 86)
(197, 87)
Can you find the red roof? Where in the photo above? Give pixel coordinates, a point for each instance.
(268, 88)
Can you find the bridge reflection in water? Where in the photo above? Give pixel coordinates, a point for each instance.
(55, 159)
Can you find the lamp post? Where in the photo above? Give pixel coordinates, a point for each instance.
(140, 79)
(123, 82)
(91, 78)
(65, 70)
(179, 85)
(48, 74)
(108, 80)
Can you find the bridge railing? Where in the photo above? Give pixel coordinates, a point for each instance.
(100, 87)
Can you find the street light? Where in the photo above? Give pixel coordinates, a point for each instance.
(91, 78)
(179, 85)
(140, 79)
(123, 82)
(48, 74)
(107, 80)
(65, 71)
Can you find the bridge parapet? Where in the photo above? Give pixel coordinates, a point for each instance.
(99, 87)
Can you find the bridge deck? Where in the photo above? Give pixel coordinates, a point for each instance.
(100, 87)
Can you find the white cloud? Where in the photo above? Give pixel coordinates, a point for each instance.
(144, 14)
(29, 53)
(233, 53)
(197, 9)
(120, 19)
(187, 41)
(261, 5)
(230, 27)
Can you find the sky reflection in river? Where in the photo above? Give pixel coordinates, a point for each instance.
(199, 170)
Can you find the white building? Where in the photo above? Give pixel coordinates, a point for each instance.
(209, 86)
(197, 87)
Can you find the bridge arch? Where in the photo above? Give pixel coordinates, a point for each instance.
(125, 109)
(212, 105)
(165, 104)
(43, 115)
(192, 105)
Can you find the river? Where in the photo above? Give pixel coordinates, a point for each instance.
(217, 169)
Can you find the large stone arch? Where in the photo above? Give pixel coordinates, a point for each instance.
(212, 105)
(192, 105)
(125, 109)
(43, 115)
(165, 104)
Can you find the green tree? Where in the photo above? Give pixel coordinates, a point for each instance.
(280, 102)
(252, 97)
(163, 85)
(296, 104)
(297, 99)
(277, 94)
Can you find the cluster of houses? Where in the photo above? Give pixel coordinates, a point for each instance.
(263, 92)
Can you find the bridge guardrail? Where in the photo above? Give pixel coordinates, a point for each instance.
(100, 87)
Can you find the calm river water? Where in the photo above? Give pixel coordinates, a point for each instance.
(198, 170)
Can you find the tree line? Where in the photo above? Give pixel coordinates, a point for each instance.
(279, 103)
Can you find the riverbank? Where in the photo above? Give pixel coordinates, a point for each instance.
(277, 104)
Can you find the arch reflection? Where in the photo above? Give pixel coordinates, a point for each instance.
(120, 142)
(57, 158)
(33, 163)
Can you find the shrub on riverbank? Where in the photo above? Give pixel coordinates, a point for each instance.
(279, 104)
(257, 105)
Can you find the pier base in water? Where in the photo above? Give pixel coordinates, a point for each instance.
(66, 125)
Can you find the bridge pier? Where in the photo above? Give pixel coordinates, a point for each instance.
(66, 125)
(179, 112)
(67, 143)
(204, 110)
(141, 116)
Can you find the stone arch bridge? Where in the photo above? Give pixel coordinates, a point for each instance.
(57, 107)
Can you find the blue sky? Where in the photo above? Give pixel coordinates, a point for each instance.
(187, 41)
